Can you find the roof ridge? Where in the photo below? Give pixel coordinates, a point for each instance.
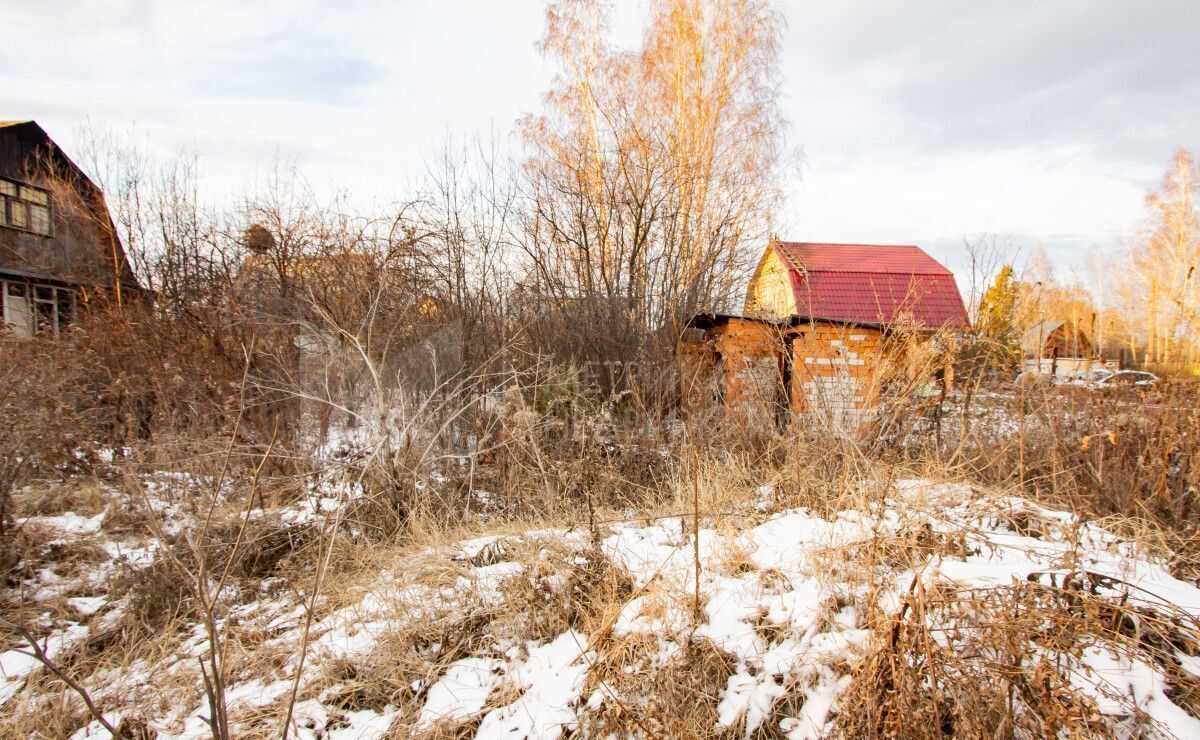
(844, 244)
(906, 259)
(841, 271)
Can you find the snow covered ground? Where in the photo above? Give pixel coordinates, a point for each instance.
(451, 635)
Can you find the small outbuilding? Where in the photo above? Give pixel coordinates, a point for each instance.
(1060, 348)
(815, 321)
(1051, 339)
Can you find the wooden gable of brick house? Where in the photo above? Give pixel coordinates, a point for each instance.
(813, 326)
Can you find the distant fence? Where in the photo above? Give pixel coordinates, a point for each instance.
(1068, 367)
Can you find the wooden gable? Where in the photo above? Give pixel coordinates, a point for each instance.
(770, 293)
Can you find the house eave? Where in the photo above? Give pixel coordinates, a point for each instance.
(40, 276)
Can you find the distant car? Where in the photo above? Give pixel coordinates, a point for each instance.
(1093, 378)
(1129, 379)
(1097, 376)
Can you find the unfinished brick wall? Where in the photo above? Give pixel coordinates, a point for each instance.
(750, 353)
(738, 362)
(699, 371)
(832, 375)
(833, 372)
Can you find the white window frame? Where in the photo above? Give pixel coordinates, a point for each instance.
(62, 298)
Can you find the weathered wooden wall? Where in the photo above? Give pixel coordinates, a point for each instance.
(770, 293)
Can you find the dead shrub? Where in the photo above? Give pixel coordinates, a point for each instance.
(1006, 661)
(159, 595)
(266, 545)
(642, 696)
(46, 431)
(1131, 452)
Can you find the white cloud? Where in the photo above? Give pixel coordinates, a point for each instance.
(920, 121)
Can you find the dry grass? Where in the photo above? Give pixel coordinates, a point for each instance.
(646, 697)
(917, 680)
(999, 662)
(1001, 665)
(85, 496)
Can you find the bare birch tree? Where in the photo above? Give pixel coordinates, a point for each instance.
(1165, 261)
(651, 174)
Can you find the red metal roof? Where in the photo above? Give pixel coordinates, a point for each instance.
(872, 284)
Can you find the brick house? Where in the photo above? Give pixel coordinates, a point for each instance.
(815, 323)
(58, 246)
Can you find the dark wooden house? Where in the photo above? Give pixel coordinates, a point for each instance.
(1055, 339)
(58, 246)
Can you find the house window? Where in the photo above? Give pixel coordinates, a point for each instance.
(24, 207)
(33, 308)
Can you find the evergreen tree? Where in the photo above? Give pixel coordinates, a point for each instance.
(998, 319)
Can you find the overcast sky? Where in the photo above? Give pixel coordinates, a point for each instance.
(1045, 122)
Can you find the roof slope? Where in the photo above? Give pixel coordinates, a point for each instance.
(83, 247)
(872, 284)
(1034, 338)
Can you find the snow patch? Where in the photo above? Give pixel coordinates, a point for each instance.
(551, 679)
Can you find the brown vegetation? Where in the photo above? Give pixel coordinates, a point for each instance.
(496, 355)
